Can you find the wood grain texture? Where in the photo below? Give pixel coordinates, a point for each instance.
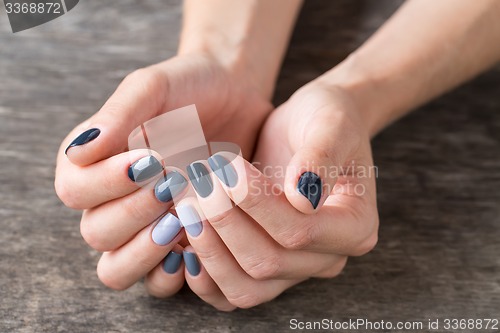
(438, 187)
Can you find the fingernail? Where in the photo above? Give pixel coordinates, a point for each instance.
(190, 219)
(200, 178)
(223, 170)
(84, 138)
(191, 261)
(172, 262)
(310, 186)
(169, 186)
(144, 169)
(166, 230)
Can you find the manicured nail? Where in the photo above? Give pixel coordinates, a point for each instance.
(172, 262)
(166, 230)
(310, 186)
(190, 219)
(223, 169)
(144, 169)
(172, 184)
(200, 178)
(84, 138)
(192, 264)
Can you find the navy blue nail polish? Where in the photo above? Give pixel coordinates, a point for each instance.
(223, 170)
(172, 262)
(200, 178)
(310, 186)
(192, 264)
(172, 184)
(144, 169)
(84, 138)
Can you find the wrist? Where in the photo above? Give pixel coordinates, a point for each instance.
(234, 56)
(376, 94)
(351, 78)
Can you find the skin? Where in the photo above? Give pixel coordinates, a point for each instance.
(269, 242)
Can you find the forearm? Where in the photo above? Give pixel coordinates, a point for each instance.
(249, 37)
(425, 49)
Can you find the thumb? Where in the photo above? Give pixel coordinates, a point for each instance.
(138, 98)
(313, 170)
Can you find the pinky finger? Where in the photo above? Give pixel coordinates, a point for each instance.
(202, 284)
(167, 278)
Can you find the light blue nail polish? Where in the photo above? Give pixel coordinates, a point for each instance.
(172, 262)
(192, 264)
(166, 230)
(190, 219)
(194, 229)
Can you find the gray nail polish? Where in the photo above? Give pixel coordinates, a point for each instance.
(200, 178)
(190, 219)
(172, 262)
(310, 186)
(166, 230)
(172, 184)
(192, 264)
(144, 169)
(223, 170)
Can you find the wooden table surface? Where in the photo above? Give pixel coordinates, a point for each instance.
(438, 189)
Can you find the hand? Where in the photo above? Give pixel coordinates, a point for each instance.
(278, 236)
(119, 214)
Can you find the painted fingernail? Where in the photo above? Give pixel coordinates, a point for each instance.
(84, 138)
(223, 170)
(172, 262)
(172, 184)
(310, 186)
(190, 219)
(191, 261)
(200, 178)
(144, 169)
(166, 230)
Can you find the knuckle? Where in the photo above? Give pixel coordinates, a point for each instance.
(67, 194)
(109, 278)
(221, 221)
(334, 270)
(93, 237)
(366, 246)
(252, 202)
(132, 209)
(147, 79)
(155, 289)
(263, 268)
(208, 255)
(297, 238)
(244, 300)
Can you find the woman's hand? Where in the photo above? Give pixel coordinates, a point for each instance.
(94, 172)
(309, 204)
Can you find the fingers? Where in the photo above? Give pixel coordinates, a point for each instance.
(238, 287)
(256, 252)
(121, 268)
(202, 284)
(113, 223)
(114, 177)
(167, 278)
(314, 168)
(344, 226)
(138, 98)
